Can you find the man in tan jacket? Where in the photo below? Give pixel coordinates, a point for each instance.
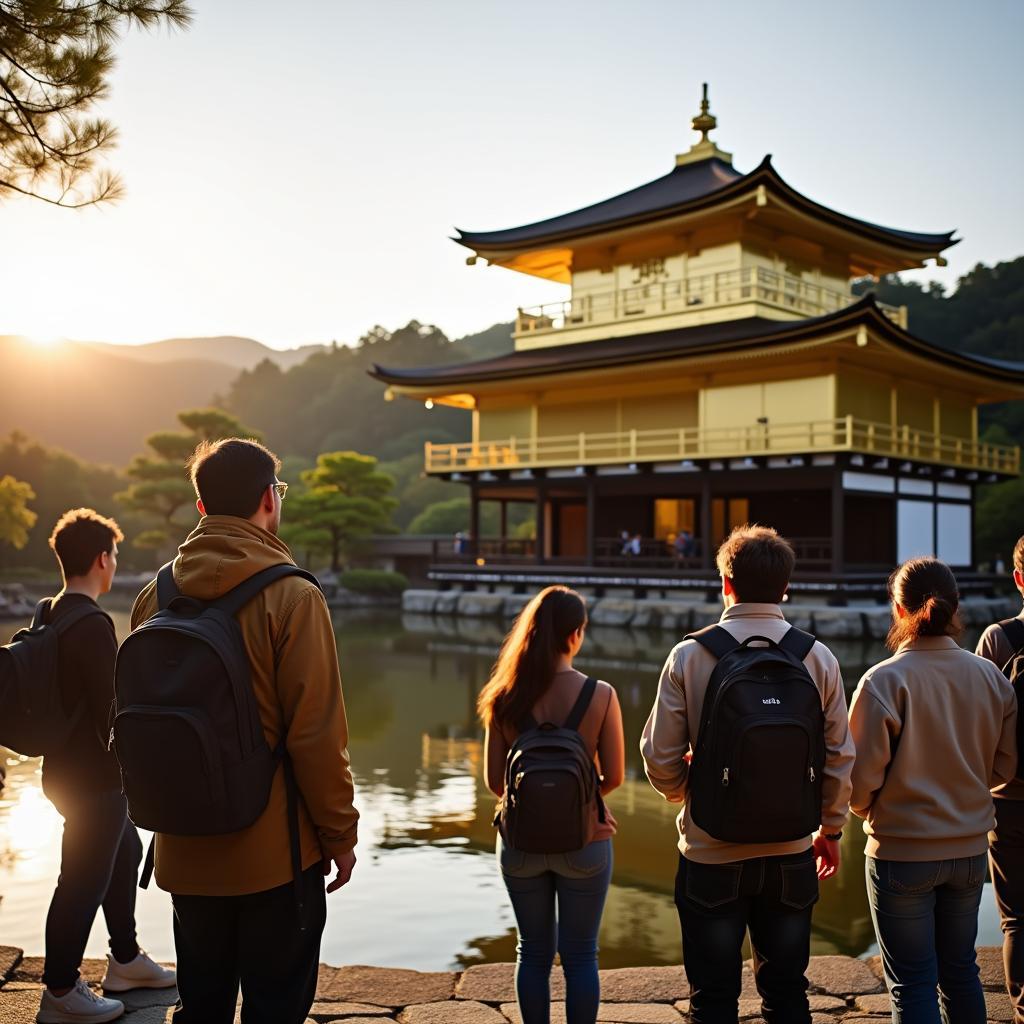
(236, 916)
(724, 888)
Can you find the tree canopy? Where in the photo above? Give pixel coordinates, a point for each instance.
(16, 518)
(347, 499)
(161, 493)
(56, 57)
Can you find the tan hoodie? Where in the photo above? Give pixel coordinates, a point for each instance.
(290, 641)
(671, 733)
(935, 728)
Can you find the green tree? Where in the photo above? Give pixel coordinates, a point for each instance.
(347, 499)
(60, 482)
(161, 492)
(56, 57)
(16, 518)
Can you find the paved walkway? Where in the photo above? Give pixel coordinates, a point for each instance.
(843, 989)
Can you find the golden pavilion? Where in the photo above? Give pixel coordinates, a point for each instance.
(713, 366)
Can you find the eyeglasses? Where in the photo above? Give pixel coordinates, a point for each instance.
(281, 488)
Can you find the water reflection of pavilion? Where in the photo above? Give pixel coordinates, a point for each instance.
(639, 905)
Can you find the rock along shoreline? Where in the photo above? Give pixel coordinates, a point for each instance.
(842, 989)
(854, 622)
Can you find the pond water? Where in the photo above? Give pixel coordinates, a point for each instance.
(426, 893)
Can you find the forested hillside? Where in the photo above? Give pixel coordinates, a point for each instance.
(985, 317)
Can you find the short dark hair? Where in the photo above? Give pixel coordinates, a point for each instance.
(80, 535)
(927, 590)
(1018, 555)
(758, 561)
(231, 475)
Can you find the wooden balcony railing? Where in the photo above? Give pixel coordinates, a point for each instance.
(844, 434)
(724, 288)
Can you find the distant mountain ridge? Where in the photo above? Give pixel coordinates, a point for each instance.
(240, 353)
(95, 403)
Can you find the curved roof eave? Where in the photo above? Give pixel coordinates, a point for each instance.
(721, 337)
(587, 220)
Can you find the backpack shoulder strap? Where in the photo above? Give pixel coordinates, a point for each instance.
(1014, 632)
(579, 709)
(715, 639)
(797, 642)
(64, 622)
(238, 597)
(42, 609)
(166, 589)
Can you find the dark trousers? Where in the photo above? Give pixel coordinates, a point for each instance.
(1006, 858)
(773, 897)
(254, 941)
(99, 864)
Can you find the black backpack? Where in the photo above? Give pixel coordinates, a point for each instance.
(757, 767)
(551, 785)
(33, 720)
(187, 731)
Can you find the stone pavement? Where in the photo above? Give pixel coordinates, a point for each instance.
(843, 989)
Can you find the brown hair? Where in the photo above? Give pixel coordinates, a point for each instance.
(1018, 555)
(80, 535)
(231, 475)
(526, 665)
(926, 589)
(758, 561)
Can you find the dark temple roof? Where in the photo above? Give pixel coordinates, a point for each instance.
(688, 188)
(721, 337)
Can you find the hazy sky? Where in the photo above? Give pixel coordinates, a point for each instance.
(294, 169)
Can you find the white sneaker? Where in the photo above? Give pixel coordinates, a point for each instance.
(80, 1004)
(142, 972)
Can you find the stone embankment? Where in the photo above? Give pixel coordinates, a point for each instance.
(869, 622)
(842, 989)
(15, 602)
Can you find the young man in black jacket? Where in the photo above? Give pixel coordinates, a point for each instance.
(100, 849)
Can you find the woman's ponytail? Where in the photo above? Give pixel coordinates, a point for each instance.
(926, 590)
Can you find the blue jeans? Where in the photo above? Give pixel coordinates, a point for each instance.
(926, 918)
(577, 883)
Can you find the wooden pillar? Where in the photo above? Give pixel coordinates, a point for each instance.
(591, 518)
(542, 498)
(706, 543)
(474, 520)
(504, 519)
(838, 522)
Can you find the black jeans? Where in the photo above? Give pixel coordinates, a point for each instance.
(1006, 857)
(99, 865)
(717, 903)
(253, 940)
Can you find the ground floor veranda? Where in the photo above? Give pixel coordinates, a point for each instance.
(849, 519)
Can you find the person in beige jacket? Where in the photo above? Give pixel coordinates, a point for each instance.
(724, 888)
(935, 729)
(233, 894)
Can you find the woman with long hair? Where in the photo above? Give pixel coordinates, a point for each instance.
(935, 731)
(557, 898)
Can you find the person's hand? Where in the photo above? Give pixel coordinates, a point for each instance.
(345, 863)
(826, 856)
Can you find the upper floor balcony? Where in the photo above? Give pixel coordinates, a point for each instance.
(687, 298)
(844, 434)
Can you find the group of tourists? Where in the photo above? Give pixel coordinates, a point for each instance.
(750, 732)
(220, 726)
